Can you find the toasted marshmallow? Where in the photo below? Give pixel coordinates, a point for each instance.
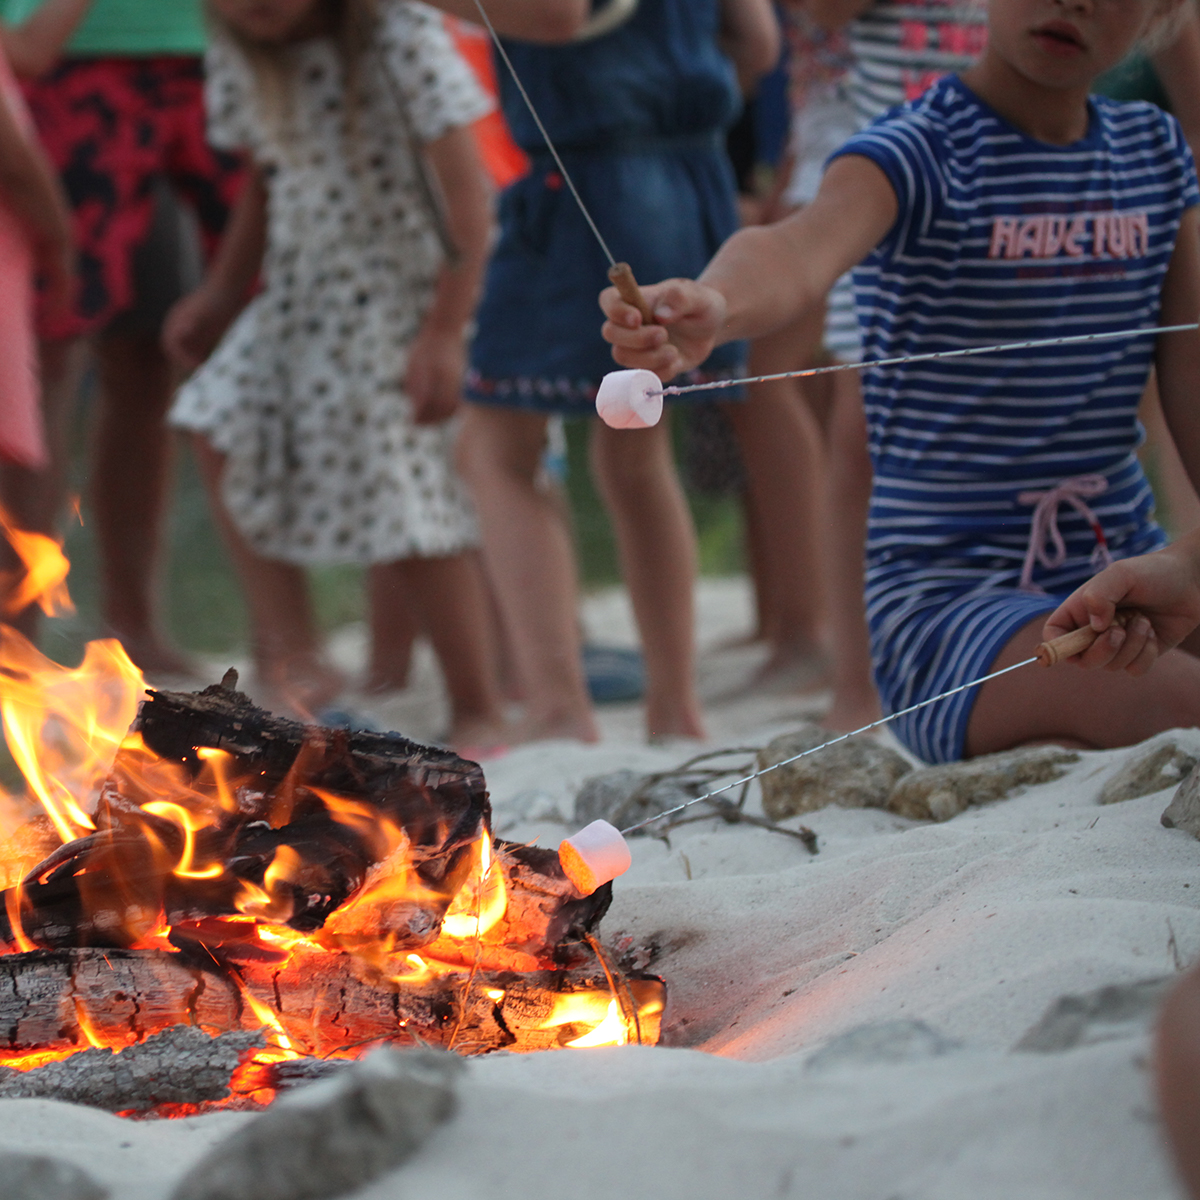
(596, 855)
(630, 399)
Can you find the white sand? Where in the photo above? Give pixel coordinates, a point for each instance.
(973, 927)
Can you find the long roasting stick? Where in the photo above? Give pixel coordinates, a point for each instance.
(619, 273)
(1048, 653)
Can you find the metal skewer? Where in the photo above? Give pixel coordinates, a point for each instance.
(966, 352)
(1048, 653)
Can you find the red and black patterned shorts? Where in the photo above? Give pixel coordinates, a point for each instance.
(112, 126)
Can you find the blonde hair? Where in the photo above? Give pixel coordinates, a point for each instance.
(1165, 25)
(355, 24)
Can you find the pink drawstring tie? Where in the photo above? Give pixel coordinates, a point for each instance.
(1044, 526)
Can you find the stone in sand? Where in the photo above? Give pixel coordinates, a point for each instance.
(623, 798)
(882, 1042)
(32, 1177)
(858, 773)
(1120, 1011)
(939, 793)
(333, 1137)
(1184, 810)
(1162, 762)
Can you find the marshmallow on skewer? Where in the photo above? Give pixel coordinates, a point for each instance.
(630, 399)
(596, 855)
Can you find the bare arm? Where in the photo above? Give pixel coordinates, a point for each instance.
(31, 189)
(750, 36)
(1178, 68)
(198, 321)
(831, 15)
(1178, 354)
(35, 45)
(437, 357)
(762, 278)
(549, 21)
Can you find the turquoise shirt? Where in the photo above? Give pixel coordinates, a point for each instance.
(128, 27)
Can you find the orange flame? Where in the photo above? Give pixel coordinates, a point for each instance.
(64, 725)
(482, 901)
(600, 1010)
(42, 576)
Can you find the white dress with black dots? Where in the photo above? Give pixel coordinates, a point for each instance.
(305, 394)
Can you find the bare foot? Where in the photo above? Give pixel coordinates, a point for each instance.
(556, 727)
(790, 671)
(299, 684)
(480, 738)
(154, 656)
(668, 724)
(852, 710)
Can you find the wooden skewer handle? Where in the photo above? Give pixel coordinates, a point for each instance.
(621, 277)
(1075, 642)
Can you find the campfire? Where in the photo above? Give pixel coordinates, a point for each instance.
(199, 862)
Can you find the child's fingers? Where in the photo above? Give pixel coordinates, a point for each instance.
(666, 362)
(645, 337)
(1148, 655)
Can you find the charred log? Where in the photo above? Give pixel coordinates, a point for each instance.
(328, 804)
(181, 1065)
(53, 1000)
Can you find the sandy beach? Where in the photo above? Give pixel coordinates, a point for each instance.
(841, 1025)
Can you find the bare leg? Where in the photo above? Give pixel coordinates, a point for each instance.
(36, 499)
(130, 477)
(531, 563)
(448, 597)
(1182, 506)
(1177, 1072)
(1093, 709)
(781, 447)
(847, 500)
(394, 628)
(288, 656)
(635, 474)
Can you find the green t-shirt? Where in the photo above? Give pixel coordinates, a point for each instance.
(128, 27)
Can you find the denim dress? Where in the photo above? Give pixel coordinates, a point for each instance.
(639, 117)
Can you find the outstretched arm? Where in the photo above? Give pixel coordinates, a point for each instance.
(763, 278)
(34, 46)
(548, 21)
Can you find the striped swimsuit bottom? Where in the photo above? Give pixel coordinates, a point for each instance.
(954, 570)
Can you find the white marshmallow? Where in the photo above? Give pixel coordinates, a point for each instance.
(596, 855)
(625, 399)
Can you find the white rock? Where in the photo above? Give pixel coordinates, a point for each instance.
(627, 399)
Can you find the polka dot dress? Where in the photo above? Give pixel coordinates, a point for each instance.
(305, 394)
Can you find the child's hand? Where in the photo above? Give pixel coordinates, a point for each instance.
(689, 314)
(436, 363)
(1164, 590)
(194, 326)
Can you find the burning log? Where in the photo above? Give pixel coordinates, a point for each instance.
(181, 1065)
(58, 1000)
(336, 889)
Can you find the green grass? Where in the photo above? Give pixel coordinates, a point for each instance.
(204, 611)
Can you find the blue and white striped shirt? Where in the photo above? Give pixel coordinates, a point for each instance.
(1001, 238)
